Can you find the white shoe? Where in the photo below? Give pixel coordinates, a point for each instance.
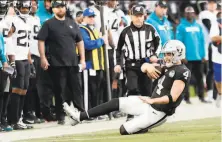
(209, 97)
(21, 124)
(73, 114)
(218, 101)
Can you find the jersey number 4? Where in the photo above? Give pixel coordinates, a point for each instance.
(22, 40)
(160, 85)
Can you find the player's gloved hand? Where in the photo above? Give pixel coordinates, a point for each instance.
(12, 64)
(32, 71)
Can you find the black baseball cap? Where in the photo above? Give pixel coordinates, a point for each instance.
(57, 3)
(161, 3)
(138, 9)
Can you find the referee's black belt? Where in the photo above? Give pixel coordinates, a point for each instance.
(134, 62)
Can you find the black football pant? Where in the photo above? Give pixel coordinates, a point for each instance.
(95, 88)
(104, 96)
(3, 81)
(121, 89)
(196, 68)
(32, 103)
(20, 82)
(62, 78)
(210, 71)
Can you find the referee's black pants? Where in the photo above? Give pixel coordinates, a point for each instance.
(196, 68)
(62, 78)
(138, 83)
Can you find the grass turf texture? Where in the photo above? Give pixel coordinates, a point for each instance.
(203, 130)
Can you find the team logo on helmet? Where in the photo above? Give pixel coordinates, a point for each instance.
(180, 51)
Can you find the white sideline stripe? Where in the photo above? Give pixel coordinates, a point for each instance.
(88, 139)
(108, 138)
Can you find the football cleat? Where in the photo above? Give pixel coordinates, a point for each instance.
(73, 114)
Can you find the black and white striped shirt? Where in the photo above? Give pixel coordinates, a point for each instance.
(138, 43)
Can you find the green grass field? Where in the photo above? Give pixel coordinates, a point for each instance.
(204, 130)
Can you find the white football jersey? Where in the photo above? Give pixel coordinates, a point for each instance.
(213, 19)
(21, 37)
(216, 56)
(35, 25)
(114, 23)
(98, 20)
(214, 31)
(5, 26)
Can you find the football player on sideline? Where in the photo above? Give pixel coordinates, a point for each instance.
(6, 17)
(31, 110)
(21, 31)
(114, 23)
(114, 20)
(5, 26)
(150, 112)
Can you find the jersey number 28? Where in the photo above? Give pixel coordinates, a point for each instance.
(22, 39)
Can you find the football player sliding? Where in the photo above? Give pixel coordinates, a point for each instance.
(148, 112)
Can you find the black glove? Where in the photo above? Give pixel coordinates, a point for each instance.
(33, 71)
(12, 64)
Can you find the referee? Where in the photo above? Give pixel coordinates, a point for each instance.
(141, 43)
(61, 36)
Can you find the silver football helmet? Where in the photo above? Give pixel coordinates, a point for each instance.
(177, 49)
(3, 8)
